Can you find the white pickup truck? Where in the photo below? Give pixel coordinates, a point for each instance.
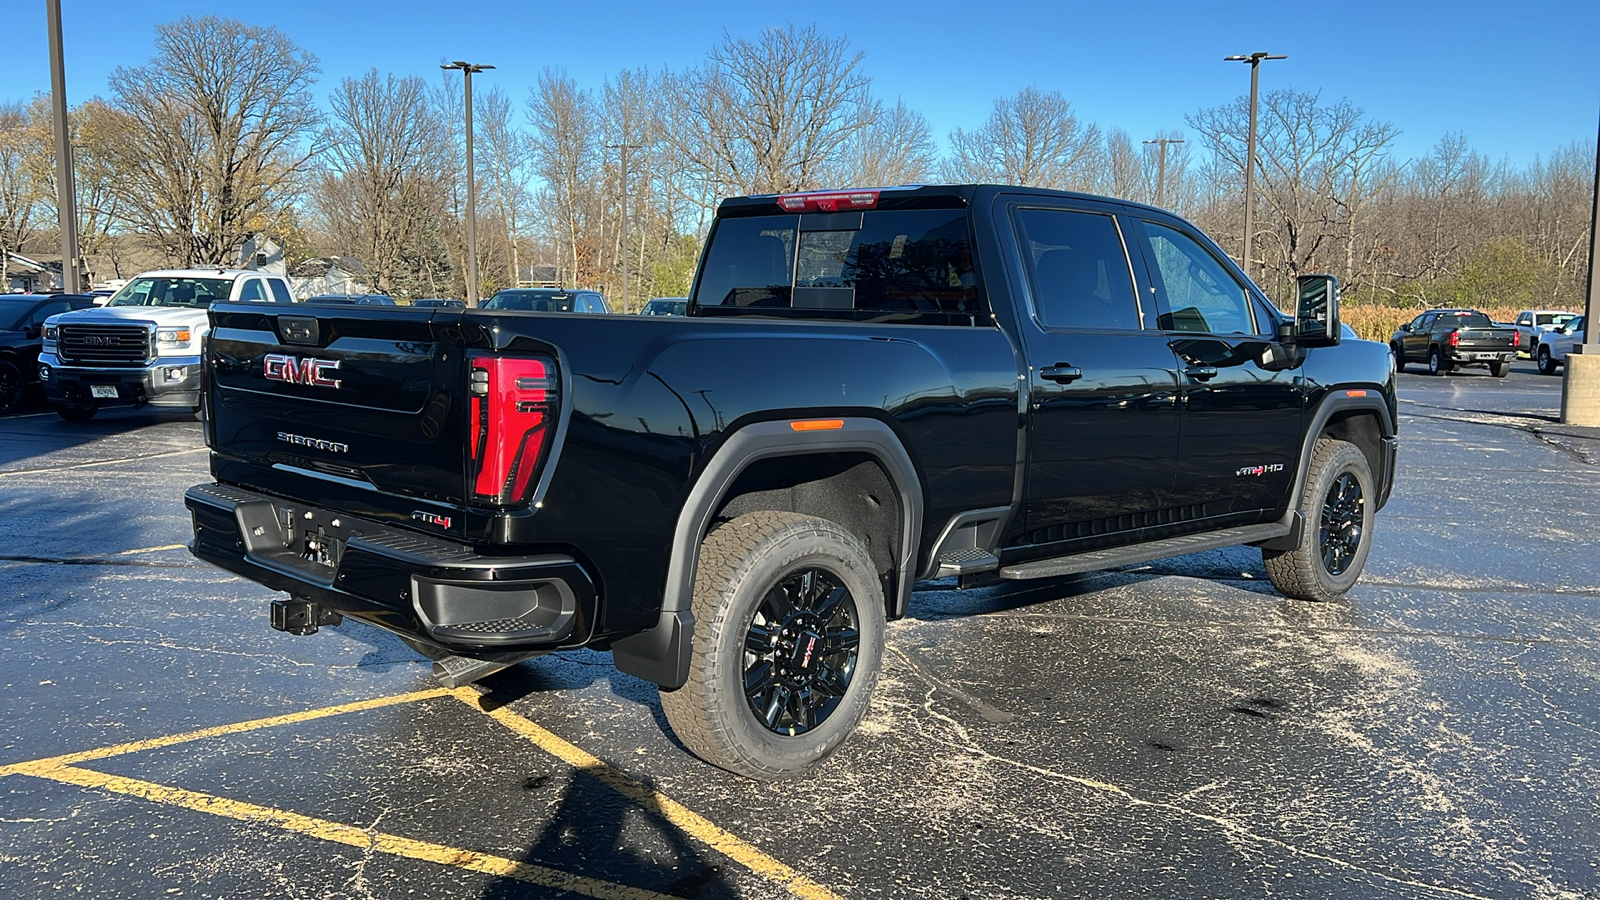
(143, 347)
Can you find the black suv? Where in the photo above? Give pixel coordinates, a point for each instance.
(21, 327)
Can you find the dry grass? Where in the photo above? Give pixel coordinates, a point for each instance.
(1379, 323)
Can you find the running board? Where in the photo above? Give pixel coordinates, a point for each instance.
(1138, 553)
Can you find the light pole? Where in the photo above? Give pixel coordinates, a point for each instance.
(472, 185)
(624, 147)
(66, 184)
(1161, 169)
(1254, 60)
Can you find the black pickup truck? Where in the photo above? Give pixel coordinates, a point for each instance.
(1451, 339)
(871, 388)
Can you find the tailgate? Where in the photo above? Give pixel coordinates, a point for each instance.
(348, 404)
(1485, 338)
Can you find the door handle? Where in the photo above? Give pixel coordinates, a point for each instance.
(1061, 374)
(1201, 373)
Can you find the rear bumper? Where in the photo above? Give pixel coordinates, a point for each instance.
(434, 591)
(1470, 357)
(171, 382)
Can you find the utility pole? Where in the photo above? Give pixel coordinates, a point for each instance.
(624, 148)
(66, 184)
(1254, 60)
(1161, 176)
(472, 185)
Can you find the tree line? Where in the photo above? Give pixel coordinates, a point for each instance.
(220, 137)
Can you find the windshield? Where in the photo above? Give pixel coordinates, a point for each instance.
(531, 301)
(665, 307)
(172, 291)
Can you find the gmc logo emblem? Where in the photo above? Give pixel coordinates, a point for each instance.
(95, 340)
(294, 370)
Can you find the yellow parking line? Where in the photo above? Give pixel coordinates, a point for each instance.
(377, 841)
(235, 728)
(149, 550)
(691, 822)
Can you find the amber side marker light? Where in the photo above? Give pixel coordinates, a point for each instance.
(1355, 393)
(817, 425)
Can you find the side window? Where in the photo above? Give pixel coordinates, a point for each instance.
(280, 291)
(251, 292)
(1524, 319)
(1077, 269)
(1416, 324)
(1201, 295)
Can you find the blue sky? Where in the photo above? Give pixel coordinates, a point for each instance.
(1518, 79)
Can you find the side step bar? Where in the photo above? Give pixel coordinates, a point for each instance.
(1138, 553)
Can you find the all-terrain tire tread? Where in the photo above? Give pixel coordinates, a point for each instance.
(1297, 573)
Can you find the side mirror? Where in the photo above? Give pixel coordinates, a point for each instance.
(1316, 317)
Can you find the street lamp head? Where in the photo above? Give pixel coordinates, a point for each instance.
(465, 66)
(1254, 58)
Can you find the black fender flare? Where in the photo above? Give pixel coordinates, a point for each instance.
(1357, 400)
(661, 654)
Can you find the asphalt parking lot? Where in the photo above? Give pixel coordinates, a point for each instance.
(1172, 730)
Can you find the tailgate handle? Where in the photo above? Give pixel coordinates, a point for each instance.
(1061, 374)
(299, 330)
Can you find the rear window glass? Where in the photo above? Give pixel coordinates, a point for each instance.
(880, 265)
(1465, 320)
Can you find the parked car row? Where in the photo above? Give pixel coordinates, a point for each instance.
(1533, 324)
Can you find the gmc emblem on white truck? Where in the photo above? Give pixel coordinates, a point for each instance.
(294, 370)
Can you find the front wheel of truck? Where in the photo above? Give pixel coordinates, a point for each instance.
(1337, 503)
(788, 640)
(77, 412)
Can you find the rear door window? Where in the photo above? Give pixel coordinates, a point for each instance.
(251, 292)
(904, 265)
(280, 291)
(1078, 270)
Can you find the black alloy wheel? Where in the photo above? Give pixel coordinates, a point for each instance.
(800, 651)
(1341, 528)
(11, 387)
(788, 640)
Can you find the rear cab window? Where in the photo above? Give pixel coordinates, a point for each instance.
(872, 265)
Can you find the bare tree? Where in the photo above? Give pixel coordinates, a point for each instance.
(566, 153)
(895, 148)
(20, 190)
(92, 126)
(381, 173)
(1317, 170)
(214, 135)
(507, 156)
(1031, 139)
(769, 115)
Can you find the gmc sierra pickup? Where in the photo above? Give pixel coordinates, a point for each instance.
(870, 388)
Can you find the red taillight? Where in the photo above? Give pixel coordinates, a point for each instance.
(513, 403)
(1455, 338)
(1516, 339)
(828, 201)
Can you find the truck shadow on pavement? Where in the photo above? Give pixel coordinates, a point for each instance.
(595, 832)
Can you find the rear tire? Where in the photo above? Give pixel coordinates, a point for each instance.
(1547, 363)
(788, 640)
(1399, 357)
(78, 412)
(1499, 370)
(1436, 365)
(1337, 503)
(12, 389)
